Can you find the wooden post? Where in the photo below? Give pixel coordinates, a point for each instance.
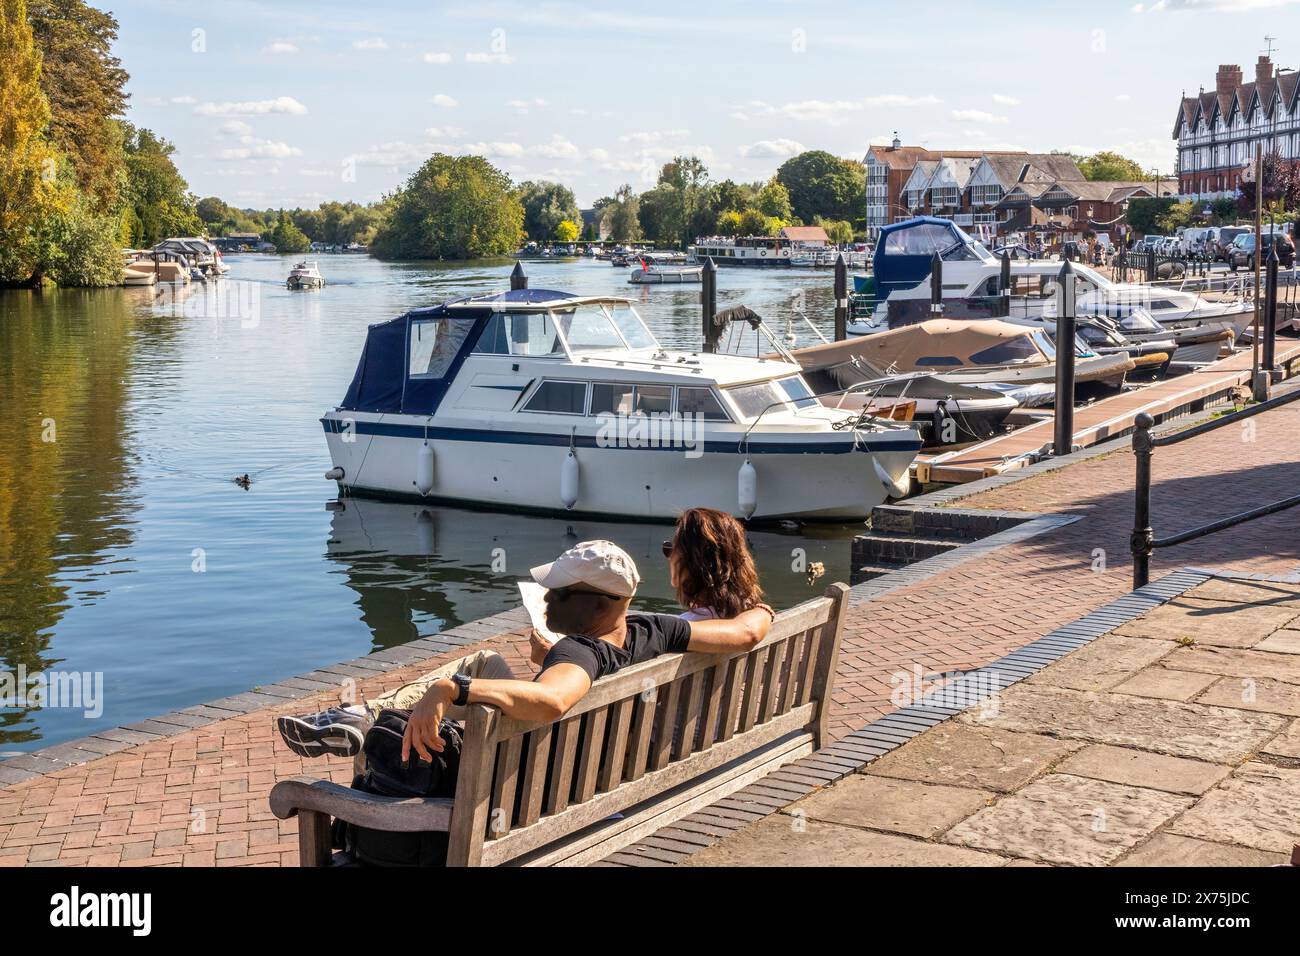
(841, 298)
(1140, 540)
(1004, 285)
(936, 287)
(709, 303)
(1065, 332)
(1270, 310)
(518, 278)
(828, 658)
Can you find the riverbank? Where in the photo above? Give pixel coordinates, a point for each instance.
(196, 793)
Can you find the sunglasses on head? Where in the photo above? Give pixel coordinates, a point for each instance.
(668, 548)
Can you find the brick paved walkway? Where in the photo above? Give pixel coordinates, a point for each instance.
(199, 797)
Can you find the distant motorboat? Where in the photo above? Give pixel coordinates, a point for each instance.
(305, 275)
(136, 272)
(652, 273)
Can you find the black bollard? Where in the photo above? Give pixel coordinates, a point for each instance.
(518, 278)
(936, 287)
(1065, 332)
(1270, 311)
(841, 298)
(709, 303)
(1004, 285)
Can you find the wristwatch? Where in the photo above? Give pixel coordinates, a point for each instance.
(462, 689)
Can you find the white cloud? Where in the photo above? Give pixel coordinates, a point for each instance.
(772, 149)
(523, 106)
(655, 136)
(318, 173)
(977, 116)
(489, 58)
(1003, 100)
(254, 148)
(598, 155)
(436, 57)
(828, 111)
(281, 104)
(392, 154)
(280, 47)
(496, 149)
(234, 127)
(557, 148)
(1122, 97)
(444, 132)
(443, 100)
(370, 43)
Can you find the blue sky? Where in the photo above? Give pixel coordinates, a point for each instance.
(291, 103)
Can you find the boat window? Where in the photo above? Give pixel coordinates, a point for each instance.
(753, 400)
(702, 402)
(435, 343)
(633, 328)
(1139, 320)
(1045, 343)
(566, 398)
(937, 361)
(519, 334)
(654, 399)
(611, 399)
(921, 240)
(798, 392)
(588, 327)
(1006, 353)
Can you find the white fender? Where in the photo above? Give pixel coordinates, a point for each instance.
(424, 469)
(570, 480)
(747, 489)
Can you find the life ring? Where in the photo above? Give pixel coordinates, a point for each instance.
(762, 252)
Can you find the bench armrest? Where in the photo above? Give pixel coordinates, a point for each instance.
(394, 814)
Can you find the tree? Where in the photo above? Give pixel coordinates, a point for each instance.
(85, 87)
(820, 184)
(567, 231)
(84, 247)
(623, 215)
(1281, 187)
(774, 200)
(659, 213)
(1177, 216)
(1110, 167)
(452, 207)
(728, 196)
(546, 205)
(730, 223)
(212, 211)
(754, 223)
(29, 187)
(287, 237)
(1144, 214)
(687, 207)
(156, 191)
(837, 230)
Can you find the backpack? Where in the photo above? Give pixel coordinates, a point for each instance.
(387, 776)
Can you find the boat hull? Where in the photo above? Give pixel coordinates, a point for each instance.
(379, 456)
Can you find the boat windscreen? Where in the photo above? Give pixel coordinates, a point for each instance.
(633, 328)
(588, 327)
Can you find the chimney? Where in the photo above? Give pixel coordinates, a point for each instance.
(1263, 70)
(1227, 79)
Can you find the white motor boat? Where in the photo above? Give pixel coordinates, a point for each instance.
(545, 401)
(200, 254)
(655, 273)
(305, 275)
(972, 283)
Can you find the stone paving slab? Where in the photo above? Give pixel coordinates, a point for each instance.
(1214, 623)
(1262, 694)
(1197, 731)
(1166, 683)
(1107, 661)
(1137, 768)
(1069, 820)
(1281, 642)
(1232, 662)
(1258, 806)
(982, 757)
(899, 806)
(1287, 743)
(1166, 849)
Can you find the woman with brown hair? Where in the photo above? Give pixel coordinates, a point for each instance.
(711, 568)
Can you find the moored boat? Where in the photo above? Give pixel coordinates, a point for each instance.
(654, 273)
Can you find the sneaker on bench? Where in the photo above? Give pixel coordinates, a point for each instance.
(338, 731)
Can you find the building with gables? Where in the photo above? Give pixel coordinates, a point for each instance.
(1218, 130)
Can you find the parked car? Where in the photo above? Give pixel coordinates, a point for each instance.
(1243, 249)
(1225, 236)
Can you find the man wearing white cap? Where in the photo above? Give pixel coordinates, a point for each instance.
(588, 591)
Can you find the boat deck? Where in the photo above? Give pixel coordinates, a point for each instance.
(1100, 421)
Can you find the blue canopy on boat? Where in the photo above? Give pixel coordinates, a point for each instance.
(904, 251)
(408, 362)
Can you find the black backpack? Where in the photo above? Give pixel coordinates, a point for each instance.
(387, 776)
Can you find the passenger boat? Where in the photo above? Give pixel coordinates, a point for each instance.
(546, 401)
(745, 250)
(305, 275)
(654, 273)
(972, 282)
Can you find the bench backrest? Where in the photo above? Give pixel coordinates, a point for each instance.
(639, 733)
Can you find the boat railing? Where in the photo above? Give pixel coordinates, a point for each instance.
(1143, 541)
(855, 420)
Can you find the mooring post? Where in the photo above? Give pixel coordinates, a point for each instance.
(1004, 285)
(709, 303)
(1270, 312)
(936, 287)
(841, 298)
(1065, 332)
(518, 278)
(1140, 540)
(1151, 265)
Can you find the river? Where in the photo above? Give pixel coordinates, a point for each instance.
(127, 549)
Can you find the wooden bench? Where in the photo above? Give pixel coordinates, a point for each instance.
(652, 743)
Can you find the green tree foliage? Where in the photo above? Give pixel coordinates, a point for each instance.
(1144, 214)
(453, 207)
(730, 223)
(212, 211)
(774, 200)
(731, 196)
(157, 193)
(83, 247)
(837, 230)
(1177, 216)
(546, 205)
(754, 223)
(687, 203)
(623, 215)
(30, 192)
(568, 231)
(1281, 187)
(1110, 167)
(85, 87)
(821, 184)
(286, 236)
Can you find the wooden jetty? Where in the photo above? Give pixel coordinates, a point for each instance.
(1101, 421)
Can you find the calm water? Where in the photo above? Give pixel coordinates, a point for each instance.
(126, 548)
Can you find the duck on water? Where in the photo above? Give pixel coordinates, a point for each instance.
(546, 401)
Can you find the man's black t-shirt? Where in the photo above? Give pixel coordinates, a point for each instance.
(648, 635)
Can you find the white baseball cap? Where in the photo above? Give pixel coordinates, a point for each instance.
(600, 565)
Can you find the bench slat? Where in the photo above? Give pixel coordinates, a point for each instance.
(638, 747)
(790, 676)
(732, 697)
(534, 782)
(560, 784)
(612, 767)
(504, 787)
(593, 744)
(713, 708)
(665, 724)
(772, 679)
(685, 742)
(755, 665)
